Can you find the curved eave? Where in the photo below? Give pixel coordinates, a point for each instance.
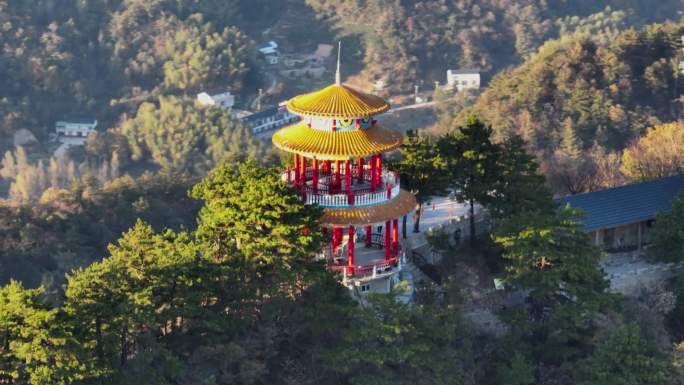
(397, 207)
(338, 101)
(340, 145)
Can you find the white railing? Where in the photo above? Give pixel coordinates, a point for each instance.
(354, 200)
(360, 195)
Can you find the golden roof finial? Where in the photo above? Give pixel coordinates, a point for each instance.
(338, 80)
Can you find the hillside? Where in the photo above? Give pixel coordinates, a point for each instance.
(406, 41)
(608, 94)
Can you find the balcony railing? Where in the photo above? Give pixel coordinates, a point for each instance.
(332, 194)
(368, 270)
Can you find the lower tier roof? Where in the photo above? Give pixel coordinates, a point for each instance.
(397, 207)
(339, 145)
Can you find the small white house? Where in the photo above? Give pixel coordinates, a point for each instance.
(75, 127)
(268, 48)
(225, 100)
(462, 79)
(269, 51)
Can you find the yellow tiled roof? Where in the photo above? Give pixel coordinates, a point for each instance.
(339, 145)
(403, 204)
(338, 101)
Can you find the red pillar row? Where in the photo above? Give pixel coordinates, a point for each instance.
(374, 172)
(360, 171)
(315, 176)
(338, 178)
(302, 168)
(388, 229)
(335, 240)
(350, 249)
(395, 236)
(378, 172)
(296, 170)
(347, 177)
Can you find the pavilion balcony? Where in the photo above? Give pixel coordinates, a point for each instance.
(370, 258)
(332, 192)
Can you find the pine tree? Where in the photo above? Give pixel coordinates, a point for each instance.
(53, 173)
(626, 358)
(9, 167)
(472, 161)
(21, 159)
(37, 346)
(115, 167)
(421, 169)
(570, 143)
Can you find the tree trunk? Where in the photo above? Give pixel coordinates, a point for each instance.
(416, 223)
(98, 336)
(472, 223)
(403, 227)
(124, 344)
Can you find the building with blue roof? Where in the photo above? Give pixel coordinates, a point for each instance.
(620, 218)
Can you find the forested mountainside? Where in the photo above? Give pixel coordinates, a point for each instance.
(579, 102)
(407, 40)
(66, 58)
(161, 253)
(104, 58)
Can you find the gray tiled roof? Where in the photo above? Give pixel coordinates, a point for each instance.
(627, 204)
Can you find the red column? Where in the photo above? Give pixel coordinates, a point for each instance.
(347, 176)
(350, 249)
(395, 236)
(314, 173)
(374, 172)
(302, 168)
(335, 239)
(388, 229)
(369, 235)
(296, 170)
(379, 170)
(360, 170)
(327, 167)
(338, 179)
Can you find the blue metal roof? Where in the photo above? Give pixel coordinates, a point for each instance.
(627, 204)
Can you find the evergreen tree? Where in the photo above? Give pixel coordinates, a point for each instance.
(626, 358)
(389, 342)
(570, 143)
(421, 170)
(667, 235)
(553, 260)
(519, 188)
(472, 161)
(178, 136)
(36, 346)
(260, 232)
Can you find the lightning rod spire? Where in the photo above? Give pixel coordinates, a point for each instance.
(338, 80)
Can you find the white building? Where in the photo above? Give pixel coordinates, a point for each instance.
(269, 51)
(462, 79)
(75, 127)
(269, 119)
(224, 100)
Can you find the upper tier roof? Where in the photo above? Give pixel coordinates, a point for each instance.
(338, 101)
(339, 145)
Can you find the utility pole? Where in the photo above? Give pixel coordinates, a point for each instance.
(415, 93)
(259, 100)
